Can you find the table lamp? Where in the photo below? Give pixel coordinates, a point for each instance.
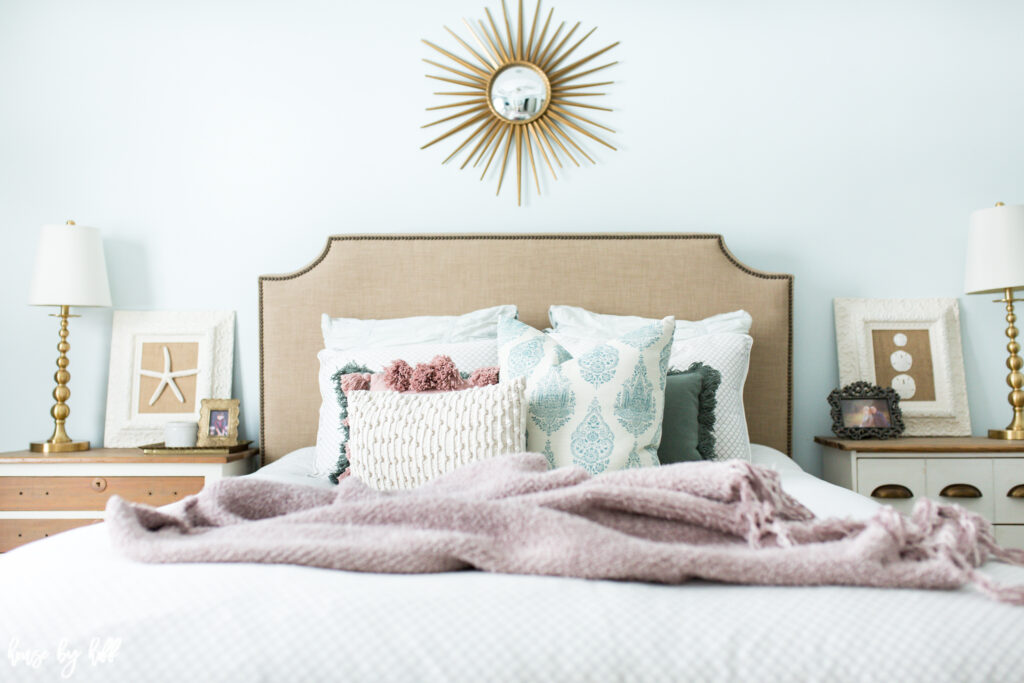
(995, 263)
(70, 270)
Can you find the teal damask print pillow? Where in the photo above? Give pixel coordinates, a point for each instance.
(601, 411)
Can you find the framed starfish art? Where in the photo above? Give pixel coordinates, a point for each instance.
(163, 364)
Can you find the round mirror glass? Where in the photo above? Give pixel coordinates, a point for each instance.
(518, 93)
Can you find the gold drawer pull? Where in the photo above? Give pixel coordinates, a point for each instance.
(1016, 492)
(892, 491)
(98, 484)
(960, 491)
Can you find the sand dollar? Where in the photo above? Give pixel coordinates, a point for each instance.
(905, 386)
(901, 360)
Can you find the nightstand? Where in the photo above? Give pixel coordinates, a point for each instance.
(982, 475)
(44, 494)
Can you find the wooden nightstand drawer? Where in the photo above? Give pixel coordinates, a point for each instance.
(1009, 491)
(966, 482)
(15, 532)
(897, 482)
(42, 494)
(91, 493)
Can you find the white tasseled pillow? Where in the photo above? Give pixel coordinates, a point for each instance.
(467, 356)
(403, 440)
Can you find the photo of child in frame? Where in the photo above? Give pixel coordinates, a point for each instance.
(866, 412)
(218, 423)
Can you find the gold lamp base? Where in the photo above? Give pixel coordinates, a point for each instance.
(1006, 434)
(1015, 430)
(59, 447)
(59, 441)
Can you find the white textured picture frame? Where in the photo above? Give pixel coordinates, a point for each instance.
(948, 414)
(215, 333)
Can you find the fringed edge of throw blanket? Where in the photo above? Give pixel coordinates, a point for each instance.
(952, 534)
(720, 521)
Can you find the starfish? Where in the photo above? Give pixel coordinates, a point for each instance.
(167, 378)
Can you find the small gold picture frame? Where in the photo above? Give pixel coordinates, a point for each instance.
(218, 422)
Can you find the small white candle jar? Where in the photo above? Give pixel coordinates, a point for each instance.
(180, 434)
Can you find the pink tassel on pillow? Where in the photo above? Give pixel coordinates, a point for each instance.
(354, 382)
(397, 376)
(446, 375)
(423, 378)
(440, 374)
(483, 377)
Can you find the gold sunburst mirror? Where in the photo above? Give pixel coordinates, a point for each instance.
(521, 91)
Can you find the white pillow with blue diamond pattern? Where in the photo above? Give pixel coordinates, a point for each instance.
(602, 410)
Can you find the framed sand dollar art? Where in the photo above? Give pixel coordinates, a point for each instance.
(523, 86)
(912, 346)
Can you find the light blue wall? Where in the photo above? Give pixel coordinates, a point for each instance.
(215, 141)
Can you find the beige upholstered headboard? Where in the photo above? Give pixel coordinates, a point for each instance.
(386, 276)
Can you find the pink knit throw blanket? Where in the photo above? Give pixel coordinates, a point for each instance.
(727, 521)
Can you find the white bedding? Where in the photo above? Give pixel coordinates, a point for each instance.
(244, 622)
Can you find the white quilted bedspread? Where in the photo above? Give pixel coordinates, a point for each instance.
(69, 605)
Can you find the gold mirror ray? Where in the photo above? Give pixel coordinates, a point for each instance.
(520, 87)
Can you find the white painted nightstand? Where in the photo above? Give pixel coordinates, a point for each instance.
(982, 475)
(44, 494)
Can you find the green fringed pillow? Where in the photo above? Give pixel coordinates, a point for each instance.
(688, 427)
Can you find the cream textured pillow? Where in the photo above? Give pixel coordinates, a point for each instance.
(468, 356)
(403, 440)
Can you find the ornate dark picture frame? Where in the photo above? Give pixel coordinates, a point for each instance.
(877, 409)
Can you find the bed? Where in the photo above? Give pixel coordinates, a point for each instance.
(69, 605)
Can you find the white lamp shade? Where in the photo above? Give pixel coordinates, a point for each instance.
(995, 250)
(70, 268)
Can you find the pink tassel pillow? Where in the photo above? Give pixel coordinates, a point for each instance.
(436, 376)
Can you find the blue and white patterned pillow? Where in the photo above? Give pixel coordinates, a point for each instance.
(602, 410)
(726, 352)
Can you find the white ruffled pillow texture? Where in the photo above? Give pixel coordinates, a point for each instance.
(467, 356)
(728, 353)
(602, 409)
(579, 322)
(356, 333)
(403, 440)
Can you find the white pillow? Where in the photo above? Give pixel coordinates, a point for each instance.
(579, 322)
(601, 410)
(400, 441)
(467, 356)
(730, 355)
(355, 333)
